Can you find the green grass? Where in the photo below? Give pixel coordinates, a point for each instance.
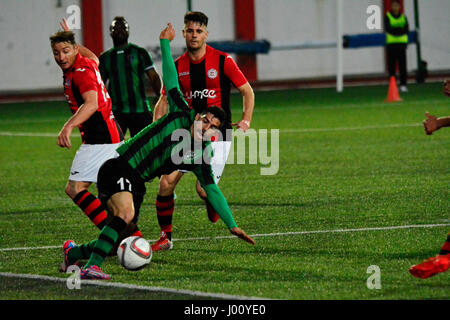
(346, 161)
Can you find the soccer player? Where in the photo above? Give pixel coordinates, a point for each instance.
(441, 262)
(123, 69)
(150, 154)
(91, 108)
(206, 76)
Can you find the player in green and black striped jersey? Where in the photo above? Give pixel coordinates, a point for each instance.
(123, 69)
(151, 153)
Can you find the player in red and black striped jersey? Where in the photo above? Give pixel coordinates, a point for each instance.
(205, 77)
(90, 105)
(207, 82)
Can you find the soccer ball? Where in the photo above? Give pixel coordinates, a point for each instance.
(134, 253)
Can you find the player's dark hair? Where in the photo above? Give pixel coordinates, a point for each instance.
(217, 113)
(196, 16)
(119, 19)
(63, 36)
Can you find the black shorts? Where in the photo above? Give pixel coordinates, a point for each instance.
(116, 175)
(133, 121)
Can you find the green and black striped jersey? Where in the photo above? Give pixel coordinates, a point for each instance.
(153, 151)
(123, 70)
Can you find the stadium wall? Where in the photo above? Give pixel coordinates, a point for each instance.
(27, 64)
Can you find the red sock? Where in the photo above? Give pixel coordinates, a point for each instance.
(92, 207)
(446, 247)
(164, 212)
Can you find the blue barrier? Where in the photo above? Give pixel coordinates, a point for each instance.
(242, 47)
(263, 46)
(371, 40)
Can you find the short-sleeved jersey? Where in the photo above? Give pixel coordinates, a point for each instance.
(150, 152)
(154, 151)
(101, 127)
(207, 82)
(125, 69)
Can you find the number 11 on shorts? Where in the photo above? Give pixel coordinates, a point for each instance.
(122, 182)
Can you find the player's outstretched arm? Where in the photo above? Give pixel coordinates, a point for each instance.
(85, 52)
(220, 205)
(248, 98)
(176, 101)
(432, 123)
(170, 77)
(242, 235)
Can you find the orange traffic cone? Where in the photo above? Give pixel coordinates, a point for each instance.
(393, 95)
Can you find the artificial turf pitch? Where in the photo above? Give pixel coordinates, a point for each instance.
(349, 163)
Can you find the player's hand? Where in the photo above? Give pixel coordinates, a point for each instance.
(64, 24)
(243, 125)
(447, 87)
(430, 124)
(241, 234)
(168, 32)
(64, 137)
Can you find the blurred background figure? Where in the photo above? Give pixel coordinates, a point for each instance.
(397, 28)
(123, 69)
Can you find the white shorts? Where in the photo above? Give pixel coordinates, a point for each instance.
(221, 151)
(88, 160)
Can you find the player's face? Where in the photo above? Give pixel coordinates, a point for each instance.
(205, 127)
(395, 8)
(64, 54)
(119, 31)
(195, 35)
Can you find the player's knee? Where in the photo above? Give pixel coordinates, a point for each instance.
(126, 213)
(127, 216)
(201, 192)
(166, 186)
(73, 188)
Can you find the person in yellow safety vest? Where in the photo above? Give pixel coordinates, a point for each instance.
(396, 28)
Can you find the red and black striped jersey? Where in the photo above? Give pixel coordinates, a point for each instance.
(207, 82)
(101, 127)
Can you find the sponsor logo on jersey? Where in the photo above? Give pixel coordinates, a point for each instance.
(212, 73)
(202, 94)
(68, 99)
(67, 83)
(80, 69)
(181, 74)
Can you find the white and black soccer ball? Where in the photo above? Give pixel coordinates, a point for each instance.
(134, 253)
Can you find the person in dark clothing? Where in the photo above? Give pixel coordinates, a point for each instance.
(397, 29)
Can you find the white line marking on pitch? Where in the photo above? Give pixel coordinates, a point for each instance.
(32, 134)
(292, 130)
(307, 130)
(132, 287)
(277, 234)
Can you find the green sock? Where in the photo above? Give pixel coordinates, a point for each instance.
(83, 251)
(106, 240)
